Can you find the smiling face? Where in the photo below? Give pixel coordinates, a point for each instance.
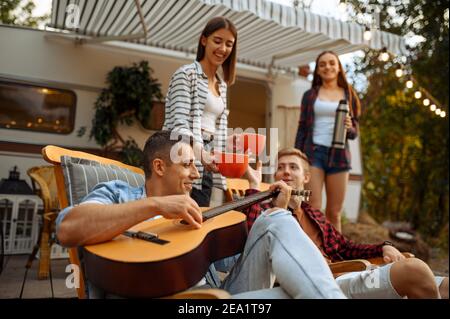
(178, 177)
(290, 170)
(218, 46)
(328, 67)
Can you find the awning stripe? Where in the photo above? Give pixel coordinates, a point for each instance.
(132, 21)
(164, 34)
(168, 22)
(266, 29)
(112, 13)
(191, 41)
(187, 23)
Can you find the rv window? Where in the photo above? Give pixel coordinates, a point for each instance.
(36, 108)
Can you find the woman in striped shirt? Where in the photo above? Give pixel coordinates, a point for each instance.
(196, 102)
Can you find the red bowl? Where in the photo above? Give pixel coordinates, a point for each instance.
(253, 142)
(231, 165)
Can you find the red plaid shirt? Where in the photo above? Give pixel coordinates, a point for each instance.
(304, 141)
(335, 246)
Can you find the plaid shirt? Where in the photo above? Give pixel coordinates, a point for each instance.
(304, 141)
(335, 246)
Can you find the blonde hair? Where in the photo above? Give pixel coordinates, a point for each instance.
(294, 151)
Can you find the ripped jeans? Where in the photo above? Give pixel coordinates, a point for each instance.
(277, 247)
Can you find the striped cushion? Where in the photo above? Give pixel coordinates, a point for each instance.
(81, 175)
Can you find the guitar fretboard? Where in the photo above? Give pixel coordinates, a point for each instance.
(247, 201)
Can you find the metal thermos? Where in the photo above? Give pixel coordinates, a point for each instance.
(340, 132)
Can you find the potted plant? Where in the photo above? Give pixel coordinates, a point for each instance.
(130, 96)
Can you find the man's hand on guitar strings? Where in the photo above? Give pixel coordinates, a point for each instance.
(180, 207)
(282, 200)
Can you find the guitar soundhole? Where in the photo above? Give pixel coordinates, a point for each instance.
(178, 223)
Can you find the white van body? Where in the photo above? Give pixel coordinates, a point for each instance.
(37, 57)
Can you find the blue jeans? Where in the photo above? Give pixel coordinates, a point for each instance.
(278, 248)
(321, 160)
(203, 196)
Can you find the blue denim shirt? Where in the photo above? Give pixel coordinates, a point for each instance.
(113, 192)
(118, 192)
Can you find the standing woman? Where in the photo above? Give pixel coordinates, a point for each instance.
(196, 102)
(329, 166)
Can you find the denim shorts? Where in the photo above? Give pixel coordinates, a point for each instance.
(321, 158)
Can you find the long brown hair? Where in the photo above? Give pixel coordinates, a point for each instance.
(342, 82)
(229, 66)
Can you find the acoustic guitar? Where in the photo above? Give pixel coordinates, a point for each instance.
(160, 257)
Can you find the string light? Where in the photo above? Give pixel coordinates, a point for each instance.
(342, 7)
(428, 100)
(367, 34)
(409, 84)
(384, 55)
(418, 94)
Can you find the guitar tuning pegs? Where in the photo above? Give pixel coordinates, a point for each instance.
(306, 195)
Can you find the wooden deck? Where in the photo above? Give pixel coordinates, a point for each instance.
(13, 273)
(14, 270)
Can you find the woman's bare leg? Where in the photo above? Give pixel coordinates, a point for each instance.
(316, 185)
(336, 187)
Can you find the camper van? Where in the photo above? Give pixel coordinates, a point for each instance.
(54, 76)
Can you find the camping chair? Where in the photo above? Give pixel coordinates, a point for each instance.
(44, 185)
(236, 189)
(52, 154)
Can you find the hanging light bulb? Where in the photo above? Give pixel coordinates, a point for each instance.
(384, 55)
(432, 107)
(426, 102)
(443, 114)
(438, 112)
(342, 6)
(367, 34)
(399, 72)
(418, 94)
(409, 84)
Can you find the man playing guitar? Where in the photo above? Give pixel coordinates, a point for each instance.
(276, 246)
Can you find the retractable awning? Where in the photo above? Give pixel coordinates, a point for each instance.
(270, 34)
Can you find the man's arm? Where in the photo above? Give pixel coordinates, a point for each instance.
(252, 212)
(92, 223)
(254, 178)
(387, 251)
(347, 249)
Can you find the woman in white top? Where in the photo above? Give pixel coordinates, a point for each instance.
(329, 166)
(196, 102)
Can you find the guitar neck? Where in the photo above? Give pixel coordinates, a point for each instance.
(247, 201)
(238, 204)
